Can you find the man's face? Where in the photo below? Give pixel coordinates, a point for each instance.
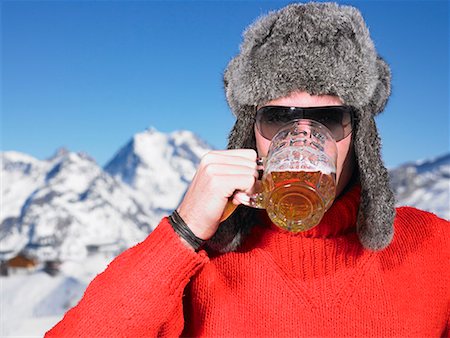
(345, 158)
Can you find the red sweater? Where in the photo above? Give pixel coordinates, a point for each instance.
(318, 283)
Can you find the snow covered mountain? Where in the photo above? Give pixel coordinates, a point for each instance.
(68, 204)
(61, 208)
(424, 185)
(158, 166)
(21, 175)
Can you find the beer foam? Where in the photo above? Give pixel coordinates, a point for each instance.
(304, 159)
(323, 170)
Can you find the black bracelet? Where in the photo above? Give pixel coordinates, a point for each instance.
(182, 229)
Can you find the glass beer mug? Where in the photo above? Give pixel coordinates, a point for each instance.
(299, 180)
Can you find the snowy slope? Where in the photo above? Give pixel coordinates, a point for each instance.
(33, 303)
(76, 205)
(58, 208)
(424, 185)
(21, 175)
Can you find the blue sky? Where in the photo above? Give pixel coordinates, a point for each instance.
(88, 75)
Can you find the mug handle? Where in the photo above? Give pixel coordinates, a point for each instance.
(255, 200)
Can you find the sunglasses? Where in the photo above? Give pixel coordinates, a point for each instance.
(338, 119)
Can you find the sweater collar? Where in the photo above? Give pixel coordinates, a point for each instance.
(340, 219)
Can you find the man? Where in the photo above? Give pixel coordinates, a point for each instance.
(348, 276)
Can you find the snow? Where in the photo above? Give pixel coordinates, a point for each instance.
(21, 175)
(17, 157)
(158, 166)
(34, 302)
(424, 184)
(74, 203)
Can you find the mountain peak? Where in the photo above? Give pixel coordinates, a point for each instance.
(65, 155)
(183, 133)
(156, 163)
(60, 152)
(18, 157)
(151, 130)
(435, 161)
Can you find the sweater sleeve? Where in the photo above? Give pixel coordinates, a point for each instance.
(139, 294)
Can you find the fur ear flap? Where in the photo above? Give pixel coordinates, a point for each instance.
(383, 88)
(376, 214)
(242, 135)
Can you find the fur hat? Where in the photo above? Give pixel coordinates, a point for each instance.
(320, 48)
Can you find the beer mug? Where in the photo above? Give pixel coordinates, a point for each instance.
(299, 180)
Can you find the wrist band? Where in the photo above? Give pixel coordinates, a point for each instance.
(182, 229)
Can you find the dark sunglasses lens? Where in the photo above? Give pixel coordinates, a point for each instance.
(269, 120)
(337, 119)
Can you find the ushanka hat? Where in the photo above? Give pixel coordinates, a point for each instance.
(320, 48)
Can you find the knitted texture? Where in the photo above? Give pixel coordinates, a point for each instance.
(318, 283)
(140, 292)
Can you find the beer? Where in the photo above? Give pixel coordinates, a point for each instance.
(297, 200)
(299, 181)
